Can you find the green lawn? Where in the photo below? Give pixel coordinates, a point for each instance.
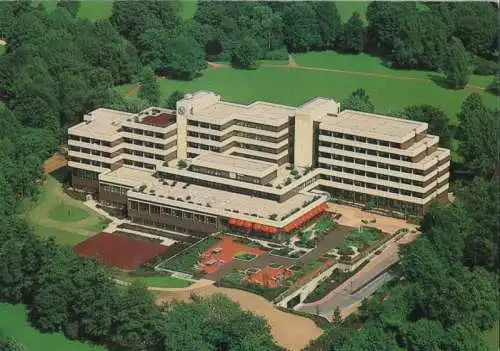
(492, 338)
(2, 50)
(90, 9)
(295, 86)
(66, 213)
(159, 281)
(56, 214)
(13, 323)
(346, 8)
(188, 8)
(359, 238)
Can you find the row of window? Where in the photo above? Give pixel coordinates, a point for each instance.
(90, 162)
(89, 140)
(359, 139)
(144, 143)
(171, 211)
(203, 146)
(143, 132)
(371, 175)
(114, 189)
(364, 151)
(224, 174)
(374, 164)
(367, 185)
(144, 154)
(139, 164)
(84, 174)
(89, 151)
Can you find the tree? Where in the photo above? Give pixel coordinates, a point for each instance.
(11, 345)
(300, 27)
(478, 134)
(137, 323)
(72, 6)
(457, 64)
(171, 102)
(494, 86)
(215, 323)
(353, 35)
(329, 24)
(185, 60)
(358, 101)
(246, 53)
(337, 317)
(149, 88)
(436, 119)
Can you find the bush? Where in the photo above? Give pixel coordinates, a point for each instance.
(346, 251)
(278, 55)
(294, 172)
(485, 67)
(182, 164)
(273, 217)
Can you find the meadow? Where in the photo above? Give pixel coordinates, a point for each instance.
(100, 9)
(332, 75)
(56, 214)
(157, 281)
(13, 323)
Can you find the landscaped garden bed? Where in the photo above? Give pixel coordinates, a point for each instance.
(297, 253)
(329, 284)
(238, 280)
(245, 256)
(361, 238)
(284, 251)
(186, 261)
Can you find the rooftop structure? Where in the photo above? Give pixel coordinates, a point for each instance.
(375, 126)
(234, 164)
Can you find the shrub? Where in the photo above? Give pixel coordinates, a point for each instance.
(346, 251)
(288, 181)
(278, 55)
(279, 186)
(485, 67)
(294, 172)
(188, 197)
(273, 217)
(182, 164)
(142, 188)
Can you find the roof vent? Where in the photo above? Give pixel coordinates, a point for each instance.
(88, 118)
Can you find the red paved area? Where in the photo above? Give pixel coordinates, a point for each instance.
(160, 120)
(119, 251)
(271, 277)
(223, 252)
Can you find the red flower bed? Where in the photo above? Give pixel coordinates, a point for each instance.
(119, 251)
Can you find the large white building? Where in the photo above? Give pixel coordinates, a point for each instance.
(263, 167)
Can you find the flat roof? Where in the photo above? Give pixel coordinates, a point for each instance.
(128, 176)
(219, 199)
(235, 164)
(104, 124)
(373, 125)
(259, 112)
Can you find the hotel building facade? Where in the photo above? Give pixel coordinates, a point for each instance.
(262, 168)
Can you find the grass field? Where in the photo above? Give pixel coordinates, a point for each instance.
(2, 50)
(13, 323)
(160, 281)
(90, 9)
(99, 9)
(492, 338)
(346, 8)
(56, 214)
(294, 86)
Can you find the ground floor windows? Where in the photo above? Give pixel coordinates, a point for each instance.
(158, 210)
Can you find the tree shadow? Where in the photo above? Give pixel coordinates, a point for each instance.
(61, 174)
(441, 81)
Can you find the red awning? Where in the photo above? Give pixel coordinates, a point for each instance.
(247, 224)
(257, 226)
(232, 221)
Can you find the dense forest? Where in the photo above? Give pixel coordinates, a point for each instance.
(57, 67)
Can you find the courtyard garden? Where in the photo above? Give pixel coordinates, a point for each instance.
(14, 323)
(187, 260)
(309, 238)
(54, 213)
(361, 238)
